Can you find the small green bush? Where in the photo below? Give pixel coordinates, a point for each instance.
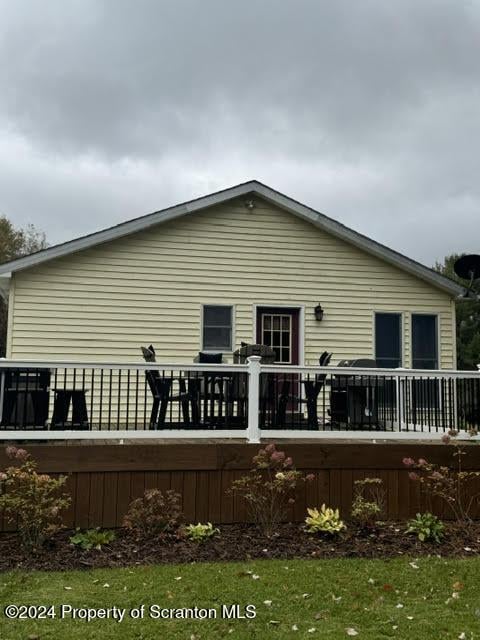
(200, 532)
(368, 503)
(426, 527)
(92, 538)
(154, 514)
(324, 521)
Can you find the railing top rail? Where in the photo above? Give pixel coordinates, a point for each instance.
(371, 371)
(141, 366)
(196, 367)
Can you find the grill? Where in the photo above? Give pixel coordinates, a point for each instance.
(355, 398)
(266, 353)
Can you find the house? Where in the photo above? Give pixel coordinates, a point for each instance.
(244, 264)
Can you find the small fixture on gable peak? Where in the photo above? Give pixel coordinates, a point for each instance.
(250, 204)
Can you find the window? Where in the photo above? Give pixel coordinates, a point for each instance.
(424, 341)
(217, 328)
(388, 350)
(277, 333)
(425, 392)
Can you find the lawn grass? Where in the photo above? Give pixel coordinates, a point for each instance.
(402, 598)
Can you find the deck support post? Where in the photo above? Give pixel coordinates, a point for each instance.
(253, 428)
(400, 402)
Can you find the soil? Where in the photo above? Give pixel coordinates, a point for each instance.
(239, 542)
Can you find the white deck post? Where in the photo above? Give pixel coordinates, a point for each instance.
(254, 368)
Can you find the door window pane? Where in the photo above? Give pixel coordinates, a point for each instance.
(276, 332)
(217, 328)
(388, 340)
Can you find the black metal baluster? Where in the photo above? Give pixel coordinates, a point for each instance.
(119, 378)
(110, 399)
(100, 409)
(127, 422)
(137, 375)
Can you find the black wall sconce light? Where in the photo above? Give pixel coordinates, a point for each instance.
(318, 312)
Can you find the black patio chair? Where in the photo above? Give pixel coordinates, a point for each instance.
(161, 390)
(312, 391)
(26, 397)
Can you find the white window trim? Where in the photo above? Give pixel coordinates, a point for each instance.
(232, 337)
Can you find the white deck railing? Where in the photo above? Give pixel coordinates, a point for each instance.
(52, 400)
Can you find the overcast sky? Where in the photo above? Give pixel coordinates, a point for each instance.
(367, 111)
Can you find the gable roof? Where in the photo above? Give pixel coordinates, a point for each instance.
(252, 187)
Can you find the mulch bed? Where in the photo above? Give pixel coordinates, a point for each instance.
(239, 542)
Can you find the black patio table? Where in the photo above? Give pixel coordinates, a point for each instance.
(209, 390)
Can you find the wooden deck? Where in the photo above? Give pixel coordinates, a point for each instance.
(104, 477)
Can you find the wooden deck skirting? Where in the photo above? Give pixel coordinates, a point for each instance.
(104, 478)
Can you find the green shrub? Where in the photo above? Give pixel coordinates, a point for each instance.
(154, 514)
(324, 521)
(270, 487)
(200, 532)
(92, 538)
(30, 500)
(426, 527)
(368, 503)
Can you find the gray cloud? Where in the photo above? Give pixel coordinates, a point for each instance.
(366, 111)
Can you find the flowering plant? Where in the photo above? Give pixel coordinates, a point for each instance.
(452, 484)
(155, 514)
(31, 500)
(270, 487)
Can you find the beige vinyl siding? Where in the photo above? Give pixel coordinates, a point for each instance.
(104, 302)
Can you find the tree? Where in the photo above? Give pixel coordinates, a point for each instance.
(468, 319)
(15, 243)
